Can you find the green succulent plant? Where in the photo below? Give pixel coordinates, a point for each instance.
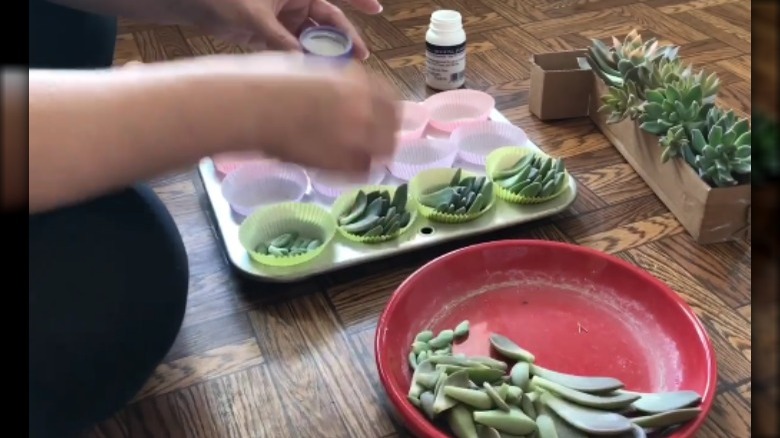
(723, 155)
(647, 82)
(630, 59)
(621, 102)
(710, 84)
(718, 117)
(674, 144)
(678, 103)
(664, 71)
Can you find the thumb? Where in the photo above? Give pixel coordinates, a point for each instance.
(271, 32)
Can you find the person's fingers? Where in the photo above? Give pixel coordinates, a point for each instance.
(270, 31)
(326, 13)
(371, 7)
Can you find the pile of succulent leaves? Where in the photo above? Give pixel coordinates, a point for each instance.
(483, 397)
(288, 244)
(649, 83)
(376, 213)
(469, 195)
(533, 175)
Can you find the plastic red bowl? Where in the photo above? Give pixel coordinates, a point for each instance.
(578, 310)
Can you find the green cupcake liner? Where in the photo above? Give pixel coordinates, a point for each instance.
(265, 224)
(436, 179)
(505, 157)
(344, 202)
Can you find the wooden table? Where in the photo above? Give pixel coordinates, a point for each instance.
(297, 361)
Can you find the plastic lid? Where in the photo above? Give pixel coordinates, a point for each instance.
(326, 41)
(445, 19)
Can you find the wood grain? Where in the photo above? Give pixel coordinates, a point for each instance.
(257, 360)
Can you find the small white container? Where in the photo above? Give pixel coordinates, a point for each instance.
(445, 51)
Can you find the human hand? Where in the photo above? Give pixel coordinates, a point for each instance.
(292, 107)
(336, 118)
(275, 24)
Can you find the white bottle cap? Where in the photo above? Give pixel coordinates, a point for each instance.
(446, 20)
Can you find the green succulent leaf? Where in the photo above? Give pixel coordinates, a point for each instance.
(653, 110)
(689, 155)
(654, 96)
(716, 135)
(743, 141)
(729, 138)
(694, 95)
(709, 152)
(672, 95)
(741, 127)
(657, 127)
(742, 168)
(698, 141)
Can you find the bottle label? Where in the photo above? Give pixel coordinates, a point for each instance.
(445, 64)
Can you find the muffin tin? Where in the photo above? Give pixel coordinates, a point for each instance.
(342, 252)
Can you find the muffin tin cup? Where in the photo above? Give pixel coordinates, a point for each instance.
(452, 109)
(433, 179)
(344, 202)
(256, 185)
(229, 162)
(415, 156)
(476, 141)
(504, 158)
(267, 223)
(414, 120)
(332, 184)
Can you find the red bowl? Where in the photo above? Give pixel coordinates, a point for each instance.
(578, 310)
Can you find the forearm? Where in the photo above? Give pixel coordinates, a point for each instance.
(93, 132)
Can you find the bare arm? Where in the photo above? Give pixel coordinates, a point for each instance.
(92, 132)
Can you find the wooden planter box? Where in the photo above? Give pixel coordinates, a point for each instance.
(709, 214)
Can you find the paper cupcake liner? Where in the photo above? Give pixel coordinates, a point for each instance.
(451, 109)
(438, 178)
(259, 184)
(477, 140)
(333, 184)
(230, 161)
(414, 156)
(505, 157)
(265, 224)
(414, 120)
(344, 202)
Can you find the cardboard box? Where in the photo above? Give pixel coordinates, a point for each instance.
(560, 88)
(709, 214)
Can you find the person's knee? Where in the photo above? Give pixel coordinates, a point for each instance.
(108, 291)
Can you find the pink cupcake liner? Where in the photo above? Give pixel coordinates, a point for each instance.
(414, 120)
(414, 156)
(230, 161)
(476, 140)
(333, 184)
(451, 109)
(255, 185)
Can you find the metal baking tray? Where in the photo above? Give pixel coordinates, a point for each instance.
(342, 253)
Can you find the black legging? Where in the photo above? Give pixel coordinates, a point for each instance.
(108, 278)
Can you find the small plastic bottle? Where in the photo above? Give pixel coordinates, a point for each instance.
(445, 51)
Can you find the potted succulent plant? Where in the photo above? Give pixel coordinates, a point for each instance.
(661, 115)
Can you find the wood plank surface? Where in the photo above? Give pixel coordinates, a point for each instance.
(297, 361)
